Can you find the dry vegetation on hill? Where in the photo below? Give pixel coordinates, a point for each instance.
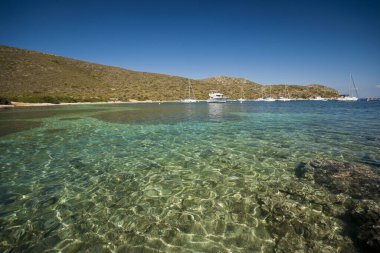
(31, 76)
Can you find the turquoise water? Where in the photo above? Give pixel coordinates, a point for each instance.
(177, 177)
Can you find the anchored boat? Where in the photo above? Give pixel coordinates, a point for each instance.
(190, 98)
(216, 97)
(241, 99)
(350, 96)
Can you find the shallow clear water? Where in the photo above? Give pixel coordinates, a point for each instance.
(174, 177)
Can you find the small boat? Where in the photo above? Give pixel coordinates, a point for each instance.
(189, 98)
(216, 97)
(269, 99)
(283, 99)
(350, 96)
(373, 99)
(319, 98)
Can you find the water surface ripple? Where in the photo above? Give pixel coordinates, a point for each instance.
(177, 177)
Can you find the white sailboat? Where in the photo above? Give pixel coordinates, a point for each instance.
(269, 99)
(350, 97)
(262, 95)
(189, 98)
(286, 98)
(241, 99)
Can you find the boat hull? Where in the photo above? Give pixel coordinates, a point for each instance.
(188, 101)
(283, 99)
(216, 100)
(348, 99)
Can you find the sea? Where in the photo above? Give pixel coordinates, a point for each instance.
(176, 177)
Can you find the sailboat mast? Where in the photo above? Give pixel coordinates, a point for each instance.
(349, 87)
(353, 83)
(286, 91)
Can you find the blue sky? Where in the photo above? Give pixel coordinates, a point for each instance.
(269, 42)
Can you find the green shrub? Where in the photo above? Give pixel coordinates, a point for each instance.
(4, 101)
(52, 100)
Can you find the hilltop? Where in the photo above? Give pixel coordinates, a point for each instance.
(31, 76)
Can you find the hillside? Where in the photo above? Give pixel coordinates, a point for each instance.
(31, 76)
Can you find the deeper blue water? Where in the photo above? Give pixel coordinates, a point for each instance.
(177, 177)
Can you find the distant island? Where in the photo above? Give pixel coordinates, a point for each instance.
(35, 77)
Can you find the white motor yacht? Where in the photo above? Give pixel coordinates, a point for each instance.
(216, 97)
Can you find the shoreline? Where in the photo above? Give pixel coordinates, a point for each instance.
(23, 104)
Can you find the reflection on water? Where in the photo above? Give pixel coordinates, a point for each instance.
(216, 111)
(170, 114)
(166, 178)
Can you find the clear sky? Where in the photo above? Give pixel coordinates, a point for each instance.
(269, 42)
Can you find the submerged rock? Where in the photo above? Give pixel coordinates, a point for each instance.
(367, 216)
(77, 163)
(358, 182)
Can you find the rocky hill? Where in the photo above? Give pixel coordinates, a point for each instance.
(31, 76)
